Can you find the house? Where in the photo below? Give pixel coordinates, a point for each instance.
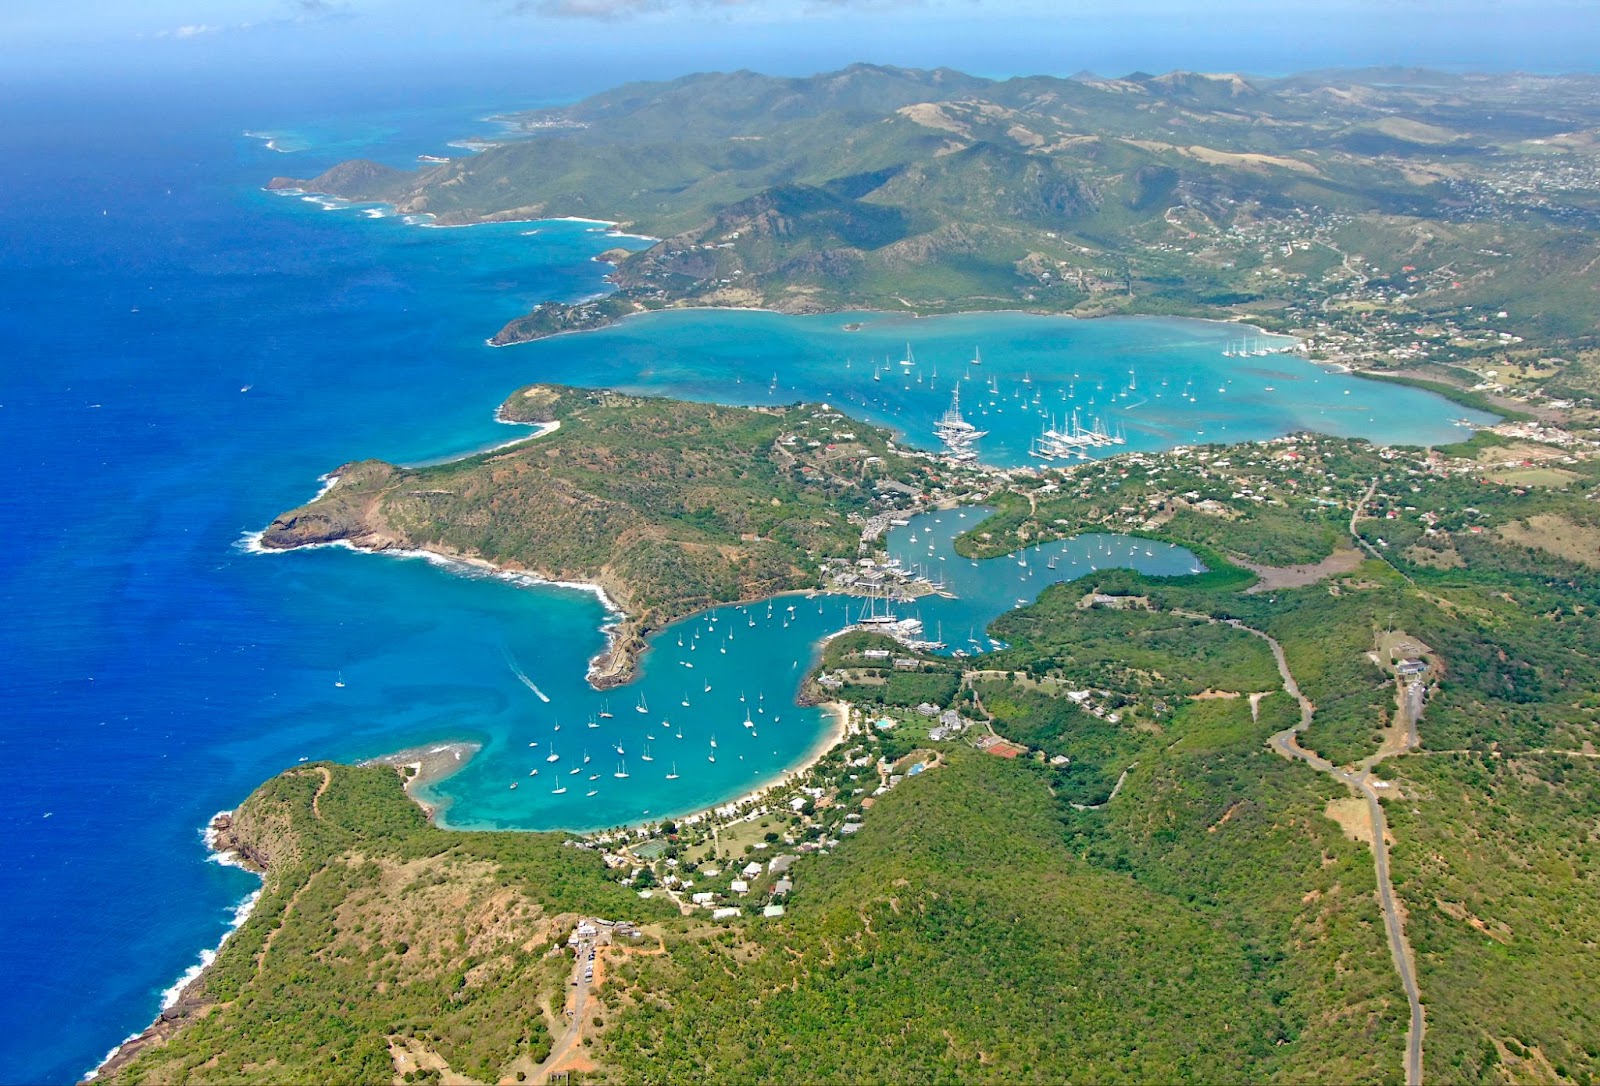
(779, 864)
(705, 897)
(1411, 667)
(782, 887)
(752, 869)
(772, 910)
(739, 886)
(727, 912)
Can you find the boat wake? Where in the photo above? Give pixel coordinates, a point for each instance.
(522, 676)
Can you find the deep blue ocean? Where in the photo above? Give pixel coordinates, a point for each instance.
(185, 355)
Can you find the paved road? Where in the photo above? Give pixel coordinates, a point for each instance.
(1360, 781)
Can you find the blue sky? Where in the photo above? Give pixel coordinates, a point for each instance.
(991, 36)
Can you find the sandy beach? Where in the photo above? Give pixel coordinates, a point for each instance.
(430, 765)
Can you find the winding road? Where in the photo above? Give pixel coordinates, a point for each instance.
(1360, 781)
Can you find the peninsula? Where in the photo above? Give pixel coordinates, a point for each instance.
(1324, 811)
(668, 507)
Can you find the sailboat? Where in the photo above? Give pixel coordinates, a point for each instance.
(339, 682)
(586, 756)
(646, 755)
(593, 723)
(605, 709)
(559, 790)
(641, 707)
(908, 360)
(554, 757)
(622, 769)
(686, 699)
(977, 357)
(674, 774)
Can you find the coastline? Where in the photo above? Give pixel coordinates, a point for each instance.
(429, 765)
(829, 311)
(606, 668)
(416, 218)
(177, 1000)
(831, 737)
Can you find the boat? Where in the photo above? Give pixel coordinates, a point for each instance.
(622, 770)
(674, 774)
(593, 723)
(977, 357)
(554, 757)
(605, 709)
(558, 791)
(713, 742)
(339, 682)
(641, 707)
(586, 757)
(594, 776)
(646, 757)
(686, 699)
(908, 360)
(592, 792)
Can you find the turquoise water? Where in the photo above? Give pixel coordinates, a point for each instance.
(985, 589)
(702, 679)
(1160, 381)
(188, 354)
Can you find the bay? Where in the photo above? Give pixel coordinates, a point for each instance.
(189, 354)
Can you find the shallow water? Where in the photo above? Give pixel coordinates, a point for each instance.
(188, 354)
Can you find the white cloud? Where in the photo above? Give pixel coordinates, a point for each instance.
(191, 30)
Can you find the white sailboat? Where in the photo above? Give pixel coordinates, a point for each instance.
(641, 707)
(646, 757)
(622, 770)
(674, 774)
